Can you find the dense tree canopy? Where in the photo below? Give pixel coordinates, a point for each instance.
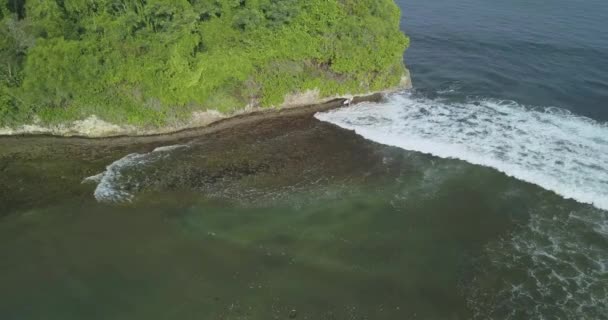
(147, 62)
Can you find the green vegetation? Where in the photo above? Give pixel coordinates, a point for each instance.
(151, 62)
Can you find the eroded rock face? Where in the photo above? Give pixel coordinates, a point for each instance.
(406, 80)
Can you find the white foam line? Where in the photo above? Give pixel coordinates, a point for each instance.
(552, 148)
(169, 148)
(112, 185)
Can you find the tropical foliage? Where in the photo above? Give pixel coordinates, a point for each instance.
(149, 62)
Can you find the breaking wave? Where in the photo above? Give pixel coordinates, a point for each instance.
(550, 147)
(114, 186)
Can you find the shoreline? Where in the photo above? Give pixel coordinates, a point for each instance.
(95, 128)
(212, 127)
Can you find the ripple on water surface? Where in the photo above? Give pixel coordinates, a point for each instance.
(549, 147)
(556, 264)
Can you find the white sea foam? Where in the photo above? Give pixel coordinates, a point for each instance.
(113, 186)
(555, 269)
(557, 265)
(552, 148)
(169, 148)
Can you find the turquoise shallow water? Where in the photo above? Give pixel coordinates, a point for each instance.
(478, 195)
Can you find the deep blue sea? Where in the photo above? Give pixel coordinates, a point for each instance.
(537, 53)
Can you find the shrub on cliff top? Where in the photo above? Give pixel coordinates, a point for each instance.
(145, 62)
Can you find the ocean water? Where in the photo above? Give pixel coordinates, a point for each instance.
(480, 194)
(520, 87)
(537, 53)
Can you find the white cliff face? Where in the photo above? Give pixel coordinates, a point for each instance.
(91, 127)
(94, 127)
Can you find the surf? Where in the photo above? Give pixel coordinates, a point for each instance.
(549, 147)
(117, 183)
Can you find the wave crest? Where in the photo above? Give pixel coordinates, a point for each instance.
(114, 186)
(550, 147)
